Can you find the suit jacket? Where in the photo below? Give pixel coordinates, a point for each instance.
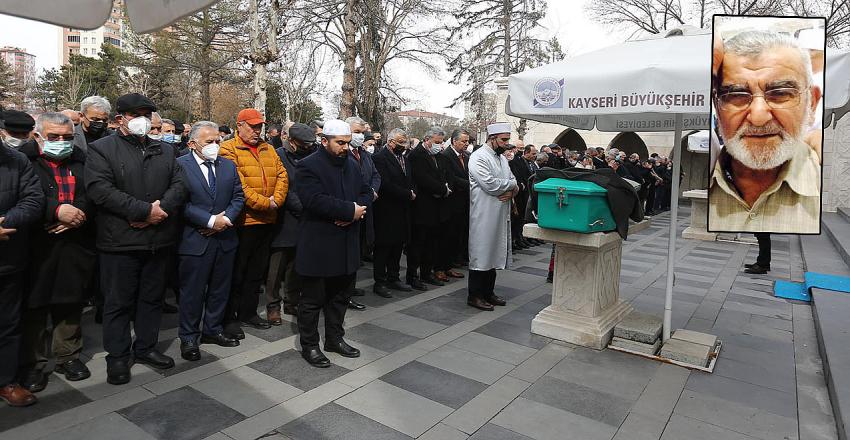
(372, 178)
(290, 212)
(328, 186)
(458, 178)
(392, 209)
(202, 203)
(519, 166)
(430, 182)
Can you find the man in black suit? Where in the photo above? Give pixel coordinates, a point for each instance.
(454, 161)
(392, 213)
(431, 191)
(523, 166)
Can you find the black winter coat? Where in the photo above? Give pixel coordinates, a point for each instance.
(122, 180)
(21, 204)
(62, 264)
(430, 183)
(287, 223)
(392, 209)
(458, 178)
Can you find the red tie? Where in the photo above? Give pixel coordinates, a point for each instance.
(356, 152)
(460, 157)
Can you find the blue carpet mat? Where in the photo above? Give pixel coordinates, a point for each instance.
(800, 291)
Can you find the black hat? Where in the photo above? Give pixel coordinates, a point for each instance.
(18, 121)
(133, 101)
(368, 136)
(178, 125)
(302, 133)
(224, 129)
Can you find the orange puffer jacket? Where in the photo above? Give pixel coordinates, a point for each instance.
(262, 176)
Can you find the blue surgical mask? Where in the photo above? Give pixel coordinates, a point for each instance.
(57, 149)
(171, 138)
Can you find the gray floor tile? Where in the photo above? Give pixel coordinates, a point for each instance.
(57, 397)
(533, 270)
(332, 422)
(513, 333)
(171, 348)
(746, 420)
(608, 371)
(640, 427)
(467, 364)
(291, 368)
(578, 399)
(494, 348)
(435, 313)
(181, 414)
(106, 427)
(409, 325)
(745, 394)
(496, 432)
(379, 337)
(543, 422)
(401, 410)
(247, 390)
(435, 384)
(277, 332)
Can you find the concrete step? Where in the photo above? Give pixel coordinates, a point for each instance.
(844, 211)
(830, 310)
(837, 228)
(821, 255)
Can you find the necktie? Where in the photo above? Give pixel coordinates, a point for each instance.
(460, 158)
(210, 176)
(356, 152)
(401, 162)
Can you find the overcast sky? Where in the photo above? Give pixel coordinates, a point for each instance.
(564, 19)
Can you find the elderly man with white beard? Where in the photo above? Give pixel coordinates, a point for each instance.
(766, 178)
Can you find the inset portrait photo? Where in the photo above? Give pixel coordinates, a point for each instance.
(767, 111)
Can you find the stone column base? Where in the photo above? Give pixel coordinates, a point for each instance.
(698, 234)
(594, 332)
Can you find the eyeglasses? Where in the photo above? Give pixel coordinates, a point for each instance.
(780, 98)
(59, 137)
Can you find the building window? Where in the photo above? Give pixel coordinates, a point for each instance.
(73, 38)
(85, 51)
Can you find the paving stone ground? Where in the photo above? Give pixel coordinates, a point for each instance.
(433, 368)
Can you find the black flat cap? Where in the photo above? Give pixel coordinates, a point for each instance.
(133, 101)
(302, 133)
(18, 121)
(368, 136)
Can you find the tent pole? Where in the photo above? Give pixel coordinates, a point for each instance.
(676, 155)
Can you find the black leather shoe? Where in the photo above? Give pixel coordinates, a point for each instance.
(747, 266)
(354, 305)
(381, 290)
(220, 339)
(342, 348)
(397, 285)
(190, 351)
(155, 359)
(480, 304)
(257, 323)
(117, 372)
(34, 381)
(315, 357)
(756, 269)
(417, 285)
(433, 281)
(495, 300)
(358, 292)
(73, 370)
(233, 331)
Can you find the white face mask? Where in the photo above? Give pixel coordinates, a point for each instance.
(139, 125)
(469, 148)
(210, 151)
(436, 148)
(13, 141)
(156, 137)
(357, 139)
(370, 149)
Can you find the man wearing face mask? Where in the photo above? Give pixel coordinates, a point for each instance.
(94, 115)
(18, 129)
(207, 250)
(63, 259)
(492, 186)
(136, 184)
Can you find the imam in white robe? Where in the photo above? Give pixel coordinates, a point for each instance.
(489, 218)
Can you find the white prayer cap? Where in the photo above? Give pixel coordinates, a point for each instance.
(335, 127)
(497, 128)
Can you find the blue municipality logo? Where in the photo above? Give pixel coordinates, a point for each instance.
(549, 92)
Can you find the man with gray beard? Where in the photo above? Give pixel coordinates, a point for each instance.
(766, 178)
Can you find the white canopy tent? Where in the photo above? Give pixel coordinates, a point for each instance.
(657, 84)
(145, 15)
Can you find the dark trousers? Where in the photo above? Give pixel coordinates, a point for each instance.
(133, 286)
(64, 338)
(518, 219)
(763, 259)
(205, 282)
(453, 234)
(329, 295)
(650, 199)
(422, 251)
(282, 272)
(11, 292)
(252, 259)
(386, 266)
(482, 283)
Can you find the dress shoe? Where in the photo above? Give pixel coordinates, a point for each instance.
(549, 277)
(433, 281)
(527, 243)
(417, 285)
(155, 359)
(342, 348)
(354, 305)
(16, 395)
(220, 339)
(118, 372)
(397, 285)
(73, 370)
(273, 315)
(290, 309)
(315, 357)
(441, 276)
(34, 381)
(358, 292)
(257, 323)
(233, 331)
(747, 266)
(480, 304)
(495, 300)
(168, 308)
(757, 269)
(190, 351)
(454, 274)
(381, 290)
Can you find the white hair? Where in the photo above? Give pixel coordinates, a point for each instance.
(52, 118)
(756, 42)
(200, 125)
(354, 120)
(396, 132)
(98, 102)
(435, 131)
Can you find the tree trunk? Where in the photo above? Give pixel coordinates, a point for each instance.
(507, 8)
(346, 105)
(260, 72)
